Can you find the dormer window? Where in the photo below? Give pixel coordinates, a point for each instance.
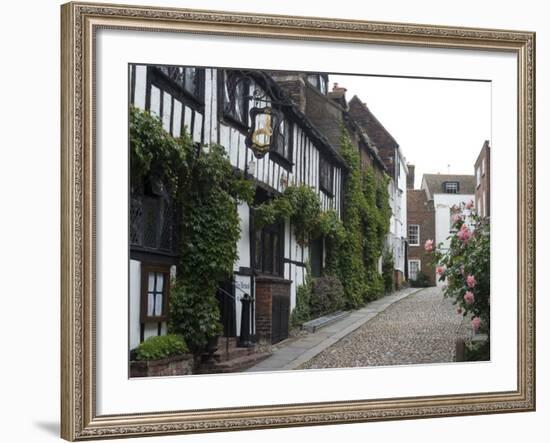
(319, 82)
(450, 187)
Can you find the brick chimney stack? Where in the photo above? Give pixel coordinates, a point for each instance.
(410, 177)
(338, 94)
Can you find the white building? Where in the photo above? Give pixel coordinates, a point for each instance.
(213, 105)
(447, 191)
(397, 237)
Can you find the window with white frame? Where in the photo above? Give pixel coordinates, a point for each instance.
(451, 187)
(478, 176)
(414, 235)
(414, 269)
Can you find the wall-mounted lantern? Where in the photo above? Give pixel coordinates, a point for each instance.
(263, 131)
(265, 116)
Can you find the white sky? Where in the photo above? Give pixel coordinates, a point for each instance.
(440, 125)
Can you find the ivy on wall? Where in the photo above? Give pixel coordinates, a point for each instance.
(351, 268)
(300, 204)
(203, 184)
(353, 247)
(366, 223)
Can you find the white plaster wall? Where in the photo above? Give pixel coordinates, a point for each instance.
(443, 204)
(243, 245)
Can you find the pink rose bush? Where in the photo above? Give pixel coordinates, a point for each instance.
(464, 265)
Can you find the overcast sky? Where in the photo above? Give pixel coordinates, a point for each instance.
(440, 125)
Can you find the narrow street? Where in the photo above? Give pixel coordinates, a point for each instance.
(421, 328)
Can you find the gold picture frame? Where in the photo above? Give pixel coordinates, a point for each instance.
(80, 21)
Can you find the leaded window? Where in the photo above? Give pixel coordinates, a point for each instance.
(283, 146)
(235, 98)
(155, 290)
(190, 79)
(269, 249)
(326, 175)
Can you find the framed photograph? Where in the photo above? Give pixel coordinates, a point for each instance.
(282, 221)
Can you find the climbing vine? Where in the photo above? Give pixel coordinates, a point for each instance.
(298, 203)
(210, 233)
(366, 224)
(351, 268)
(155, 156)
(203, 184)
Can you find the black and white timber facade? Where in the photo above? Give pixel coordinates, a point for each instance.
(198, 99)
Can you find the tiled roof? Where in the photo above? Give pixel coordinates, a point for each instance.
(435, 183)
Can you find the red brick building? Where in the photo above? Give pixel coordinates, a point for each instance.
(482, 169)
(420, 227)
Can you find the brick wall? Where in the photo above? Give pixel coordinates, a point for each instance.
(483, 189)
(420, 211)
(266, 289)
(176, 365)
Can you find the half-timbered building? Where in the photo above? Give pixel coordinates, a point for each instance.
(213, 106)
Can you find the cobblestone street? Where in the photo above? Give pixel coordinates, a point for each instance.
(421, 328)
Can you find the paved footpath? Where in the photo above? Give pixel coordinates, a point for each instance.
(421, 328)
(301, 351)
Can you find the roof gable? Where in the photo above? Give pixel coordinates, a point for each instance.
(435, 183)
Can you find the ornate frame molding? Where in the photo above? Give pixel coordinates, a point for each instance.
(79, 22)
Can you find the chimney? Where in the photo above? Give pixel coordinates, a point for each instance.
(293, 85)
(339, 89)
(410, 177)
(338, 94)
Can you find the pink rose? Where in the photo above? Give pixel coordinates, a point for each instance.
(456, 218)
(429, 245)
(476, 323)
(440, 270)
(469, 297)
(471, 281)
(464, 234)
(469, 205)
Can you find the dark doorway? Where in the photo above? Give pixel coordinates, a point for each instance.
(280, 306)
(316, 254)
(226, 303)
